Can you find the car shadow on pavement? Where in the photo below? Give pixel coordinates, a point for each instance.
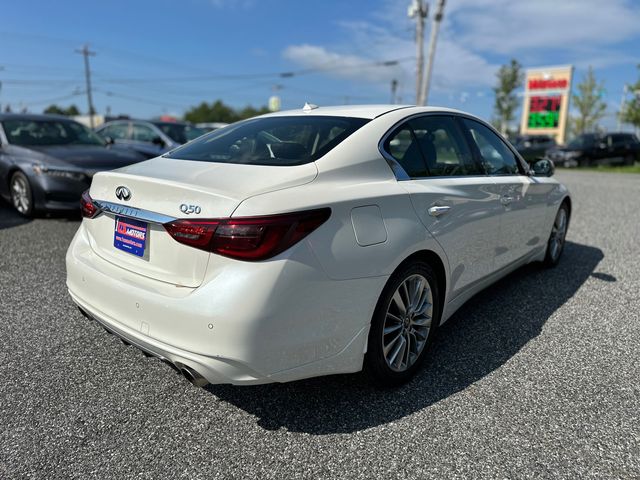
(9, 218)
(482, 336)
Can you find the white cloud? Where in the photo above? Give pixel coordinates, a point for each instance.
(511, 27)
(476, 37)
(352, 67)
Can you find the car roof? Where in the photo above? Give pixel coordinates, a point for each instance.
(358, 111)
(33, 117)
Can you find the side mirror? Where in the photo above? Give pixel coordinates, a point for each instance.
(109, 140)
(543, 168)
(158, 141)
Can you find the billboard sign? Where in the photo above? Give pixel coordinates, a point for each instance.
(546, 101)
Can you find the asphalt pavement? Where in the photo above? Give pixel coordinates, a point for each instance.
(536, 377)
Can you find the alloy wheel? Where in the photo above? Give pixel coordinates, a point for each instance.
(407, 323)
(558, 233)
(20, 194)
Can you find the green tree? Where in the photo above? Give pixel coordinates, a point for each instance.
(219, 112)
(631, 112)
(588, 103)
(510, 78)
(56, 110)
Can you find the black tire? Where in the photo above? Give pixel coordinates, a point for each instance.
(376, 364)
(552, 255)
(629, 160)
(21, 194)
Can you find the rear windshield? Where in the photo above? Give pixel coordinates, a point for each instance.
(276, 141)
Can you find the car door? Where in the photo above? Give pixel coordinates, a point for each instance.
(523, 198)
(449, 193)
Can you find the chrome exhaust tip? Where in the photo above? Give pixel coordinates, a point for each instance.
(194, 377)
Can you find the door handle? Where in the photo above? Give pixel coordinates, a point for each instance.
(506, 200)
(436, 211)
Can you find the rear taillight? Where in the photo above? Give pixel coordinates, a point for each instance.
(89, 209)
(248, 238)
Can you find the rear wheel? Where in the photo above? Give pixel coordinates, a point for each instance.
(629, 160)
(555, 245)
(21, 195)
(403, 325)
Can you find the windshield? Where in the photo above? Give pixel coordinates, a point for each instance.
(49, 132)
(582, 141)
(180, 132)
(276, 141)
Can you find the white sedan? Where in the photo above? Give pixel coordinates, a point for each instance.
(311, 242)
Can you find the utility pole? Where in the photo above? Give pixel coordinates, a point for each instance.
(394, 89)
(86, 53)
(419, 10)
(424, 96)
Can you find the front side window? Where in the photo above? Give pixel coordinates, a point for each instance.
(279, 141)
(496, 157)
(582, 141)
(142, 133)
(117, 131)
(49, 132)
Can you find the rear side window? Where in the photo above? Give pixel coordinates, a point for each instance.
(431, 146)
(496, 157)
(443, 147)
(283, 141)
(403, 147)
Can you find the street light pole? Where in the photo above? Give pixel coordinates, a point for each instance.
(394, 90)
(85, 52)
(424, 94)
(419, 10)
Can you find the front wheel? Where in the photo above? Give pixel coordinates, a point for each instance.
(555, 245)
(21, 195)
(403, 325)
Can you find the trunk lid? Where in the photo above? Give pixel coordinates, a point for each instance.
(158, 188)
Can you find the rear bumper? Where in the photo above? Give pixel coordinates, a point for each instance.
(248, 323)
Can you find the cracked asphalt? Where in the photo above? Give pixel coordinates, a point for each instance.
(536, 377)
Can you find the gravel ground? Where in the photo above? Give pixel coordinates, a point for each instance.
(538, 376)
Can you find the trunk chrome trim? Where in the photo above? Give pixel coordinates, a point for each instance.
(132, 212)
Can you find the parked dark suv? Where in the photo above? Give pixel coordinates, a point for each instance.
(598, 149)
(533, 147)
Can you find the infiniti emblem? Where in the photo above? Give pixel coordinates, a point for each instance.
(123, 193)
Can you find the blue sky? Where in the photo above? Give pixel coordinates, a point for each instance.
(162, 56)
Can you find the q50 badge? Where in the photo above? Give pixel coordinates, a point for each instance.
(187, 209)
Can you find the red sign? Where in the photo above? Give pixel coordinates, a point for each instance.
(544, 104)
(542, 84)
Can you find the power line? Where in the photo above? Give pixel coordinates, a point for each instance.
(52, 100)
